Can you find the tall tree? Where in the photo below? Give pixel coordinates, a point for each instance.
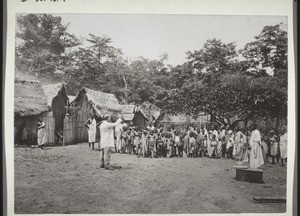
(219, 87)
(268, 51)
(41, 43)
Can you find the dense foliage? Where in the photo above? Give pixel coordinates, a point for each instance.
(232, 85)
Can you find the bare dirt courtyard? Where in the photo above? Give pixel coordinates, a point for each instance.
(68, 179)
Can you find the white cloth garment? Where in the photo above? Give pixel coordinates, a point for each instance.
(118, 134)
(41, 134)
(92, 130)
(256, 156)
(107, 133)
(283, 146)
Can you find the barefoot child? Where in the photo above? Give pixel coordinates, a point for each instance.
(192, 142)
(214, 143)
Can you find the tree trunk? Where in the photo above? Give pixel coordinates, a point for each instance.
(126, 90)
(266, 124)
(277, 125)
(245, 125)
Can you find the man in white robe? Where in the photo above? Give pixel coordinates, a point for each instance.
(256, 155)
(91, 125)
(107, 140)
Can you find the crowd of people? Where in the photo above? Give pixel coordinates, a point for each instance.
(193, 141)
(199, 142)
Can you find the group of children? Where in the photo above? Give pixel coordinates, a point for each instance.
(191, 142)
(194, 142)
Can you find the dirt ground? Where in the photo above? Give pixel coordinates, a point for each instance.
(68, 180)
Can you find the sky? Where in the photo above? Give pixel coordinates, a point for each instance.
(152, 35)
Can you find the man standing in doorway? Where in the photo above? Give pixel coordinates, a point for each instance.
(107, 140)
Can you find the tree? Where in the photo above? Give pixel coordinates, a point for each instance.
(215, 57)
(87, 66)
(218, 85)
(42, 42)
(268, 51)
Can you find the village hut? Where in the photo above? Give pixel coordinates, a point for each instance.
(71, 98)
(151, 111)
(30, 103)
(57, 100)
(180, 121)
(134, 114)
(88, 102)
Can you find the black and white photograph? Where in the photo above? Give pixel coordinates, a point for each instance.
(151, 113)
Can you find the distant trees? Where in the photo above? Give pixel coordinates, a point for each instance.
(233, 90)
(231, 85)
(41, 44)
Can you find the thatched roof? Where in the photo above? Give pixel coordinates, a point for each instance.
(71, 98)
(173, 118)
(52, 90)
(30, 98)
(150, 110)
(128, 112)
(180, 118)
(101, 102)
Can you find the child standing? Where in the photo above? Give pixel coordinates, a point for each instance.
(274, 147)
(152, 143)
(144, 147)
(192, 142)
(136, 141)
(214, 144)
(177, 143)
(159, 144)
(265, 149)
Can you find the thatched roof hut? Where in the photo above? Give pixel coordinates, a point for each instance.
(101, 102)
(181, 120)
(30, 98)
(86, 102)
(57, 99)
(134, 114)
(53, 90)
(71, 98)
(151, 111)
(30, 105)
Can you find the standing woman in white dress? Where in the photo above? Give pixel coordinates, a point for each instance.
(256, 155)
(283, 147)
(41, 133)
(91, 125)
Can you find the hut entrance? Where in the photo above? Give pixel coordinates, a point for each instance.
(59, 112)
(59, 104)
